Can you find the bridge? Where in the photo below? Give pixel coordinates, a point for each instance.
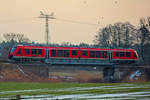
(110, 71)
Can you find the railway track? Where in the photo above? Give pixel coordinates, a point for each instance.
(4, 61)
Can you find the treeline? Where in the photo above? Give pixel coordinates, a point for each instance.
(126, 35)
(118, 35)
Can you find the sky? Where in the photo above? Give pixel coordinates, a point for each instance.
(21, 16)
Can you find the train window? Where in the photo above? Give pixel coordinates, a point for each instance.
(66, 53)
(19, 51)
(74, 52)
(122, 54)
(34, 51)
(116, 54)
(92, 54)
(60, 53)
(104, 54)
(134, 55)
(13, 49)
(84, 53)
(53, 53)
(128, 54)
(40, 51)
(27, 51)
(98, 54)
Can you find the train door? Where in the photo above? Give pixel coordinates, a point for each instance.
(110, 56)
(47, 53)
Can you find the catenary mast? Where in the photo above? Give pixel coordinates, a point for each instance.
(47, 17)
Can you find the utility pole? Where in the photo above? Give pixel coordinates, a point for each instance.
(47, 17)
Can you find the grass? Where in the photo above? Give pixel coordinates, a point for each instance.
(60, 88)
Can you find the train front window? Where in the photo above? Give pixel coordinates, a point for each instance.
(134, 55)
(13, 49)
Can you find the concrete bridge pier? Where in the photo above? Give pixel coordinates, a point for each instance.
(108, 74)
(43, 71)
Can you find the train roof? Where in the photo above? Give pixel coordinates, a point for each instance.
(83, 48)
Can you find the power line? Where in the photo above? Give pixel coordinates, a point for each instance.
(78, 22)
(16, 20)
(33, 18)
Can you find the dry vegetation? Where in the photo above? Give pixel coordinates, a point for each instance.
(9, 72)
(88, 77)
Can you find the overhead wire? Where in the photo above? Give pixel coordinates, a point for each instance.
(32, 18)
(78, 22)
(15, 20)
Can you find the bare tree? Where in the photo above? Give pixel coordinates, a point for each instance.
(84, 45)
(102, 39)
(13, 37)
(20, 37)
(10, 37)
(144, 37)
(117, 35)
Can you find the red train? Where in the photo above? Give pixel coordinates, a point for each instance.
(72, 55)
